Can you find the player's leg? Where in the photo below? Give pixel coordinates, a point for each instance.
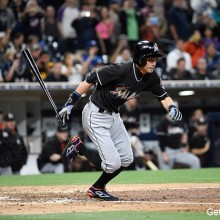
(122, 141)
(188, 158)
(97, 126)
(171, 155)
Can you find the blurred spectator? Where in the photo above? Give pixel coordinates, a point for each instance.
(202, 7)
(15, 68)
(91, 58)
(66, 14)
(18, 42)
(18, 8)
(114, 10)
(85, 26)
(173, 140)
(195, 47)
(44, 64)
(178, 21)
(216, 73)
(19, 153)
(199, 142)
(13, 154)
(50, 28)
(177, 53)
(123, 56)
(4, 45)
(194, 118)
(131, 19)
(208, 38)
(5, 152)
(104, 30)
(72, 67)
(201, 70)
(130, 114)
(159, 9)
(33, 20)
(150, 30)
(50, 160)
(211, 57)
(55, 74)
(7, 18)
(122, 53)
(180, 72)
(35, 50)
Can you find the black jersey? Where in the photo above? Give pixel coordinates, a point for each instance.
(130, 117)
(170, 133)
(119, 82)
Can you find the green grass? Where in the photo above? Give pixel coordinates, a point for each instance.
(137, 215)
(208, 175)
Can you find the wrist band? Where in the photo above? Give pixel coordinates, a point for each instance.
(74, 97)
(171, 106)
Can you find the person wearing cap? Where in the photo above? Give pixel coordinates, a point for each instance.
(174, 143)
(5, 153)
(49, 161)
(200, 142)
(91, 58)
(19, 151)
(13, 153)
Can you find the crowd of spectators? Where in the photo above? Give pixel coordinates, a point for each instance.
(82, 35)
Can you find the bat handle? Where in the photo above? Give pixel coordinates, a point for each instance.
(60, 121)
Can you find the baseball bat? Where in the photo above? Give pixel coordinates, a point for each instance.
(26, 53)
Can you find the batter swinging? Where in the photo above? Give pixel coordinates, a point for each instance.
(115, 84)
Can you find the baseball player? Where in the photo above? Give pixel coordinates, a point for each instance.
(114, 85)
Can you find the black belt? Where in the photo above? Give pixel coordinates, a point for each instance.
(101, 110)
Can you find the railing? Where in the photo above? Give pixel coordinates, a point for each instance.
(169, 84)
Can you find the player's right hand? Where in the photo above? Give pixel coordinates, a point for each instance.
(66, 111)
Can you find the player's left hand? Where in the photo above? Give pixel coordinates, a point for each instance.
(174, 113)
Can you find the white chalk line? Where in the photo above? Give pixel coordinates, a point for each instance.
(60, 201)
(138, 189)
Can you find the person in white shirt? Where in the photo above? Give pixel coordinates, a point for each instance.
(176, 54)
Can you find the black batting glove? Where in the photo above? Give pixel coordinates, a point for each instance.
(174, 113)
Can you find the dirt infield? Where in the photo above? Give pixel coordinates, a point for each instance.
(161, 197)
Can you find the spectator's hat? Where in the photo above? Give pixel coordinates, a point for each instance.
(92, 43)
(62, 129)
(9, 117)
(203, 121)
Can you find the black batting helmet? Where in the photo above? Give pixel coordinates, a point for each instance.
(144, 50)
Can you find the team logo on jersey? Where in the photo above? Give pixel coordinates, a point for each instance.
(174, 130)
(122, 92)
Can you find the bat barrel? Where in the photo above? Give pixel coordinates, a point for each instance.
(26, 53)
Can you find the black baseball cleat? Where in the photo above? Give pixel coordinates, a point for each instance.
(71, 150)
(101, 194)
